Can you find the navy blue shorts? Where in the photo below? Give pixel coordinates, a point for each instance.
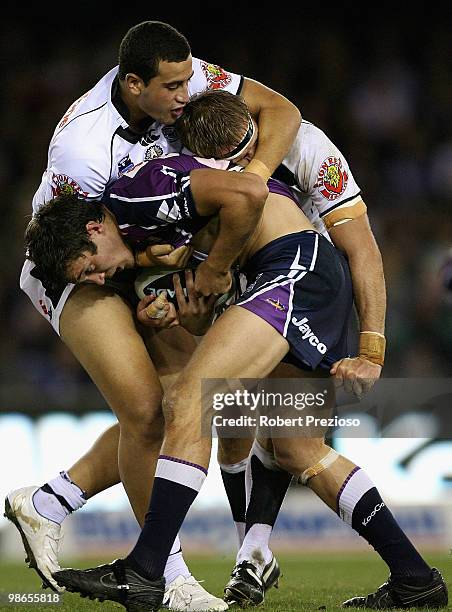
(301, 285)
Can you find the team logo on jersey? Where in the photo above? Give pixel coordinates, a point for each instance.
(64, 184)
(217, 78)
(70, 110)
(332, 179)
(153, 152)
(169, 132)
(276, 303)
(149, 138)
(125, 165)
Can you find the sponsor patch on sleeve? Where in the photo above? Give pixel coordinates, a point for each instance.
(332, 178)
(217, 77)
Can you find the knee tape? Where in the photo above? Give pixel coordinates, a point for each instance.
(318, 468)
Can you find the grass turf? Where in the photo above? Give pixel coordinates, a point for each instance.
(310, 581)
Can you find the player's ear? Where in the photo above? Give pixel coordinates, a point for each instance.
(134, 83)
(95, 227)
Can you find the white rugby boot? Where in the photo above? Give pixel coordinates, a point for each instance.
(186, 594)
(40, 536)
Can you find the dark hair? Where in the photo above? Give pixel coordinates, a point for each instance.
(213, 123)
(146, 45)
(57, 235)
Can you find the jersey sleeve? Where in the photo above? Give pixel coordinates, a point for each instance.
(70, 173)
(320, 170)
(210, 76)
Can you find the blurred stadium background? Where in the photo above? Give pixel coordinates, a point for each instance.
(381, 89)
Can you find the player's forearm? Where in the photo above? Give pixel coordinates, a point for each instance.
(369, 289)
(278, 120)
(356, 240)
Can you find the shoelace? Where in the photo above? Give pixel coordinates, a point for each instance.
(175, 591)
(54, 543)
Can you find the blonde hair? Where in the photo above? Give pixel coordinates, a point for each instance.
(213, 123)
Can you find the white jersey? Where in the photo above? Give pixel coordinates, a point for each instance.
(92, 145)
(318, 174)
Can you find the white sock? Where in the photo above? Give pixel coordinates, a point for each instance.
(175, 566)
(58, 498)
(255, 546)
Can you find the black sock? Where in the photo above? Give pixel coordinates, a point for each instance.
(170, 502)
(360, 505)
(234, 485)
(269, 488)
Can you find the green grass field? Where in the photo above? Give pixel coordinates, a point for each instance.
(310, 582)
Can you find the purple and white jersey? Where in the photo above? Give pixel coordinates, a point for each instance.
(154, 202)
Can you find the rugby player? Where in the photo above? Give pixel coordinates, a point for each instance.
(125, 119)
(271, 465)
(288, 261)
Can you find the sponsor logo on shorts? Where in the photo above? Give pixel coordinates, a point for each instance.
(276, 303)
(64, 184)
(253, 284)
(307, 334)
(332, 179)
(377, 508)
(217, 77)
(153, 152)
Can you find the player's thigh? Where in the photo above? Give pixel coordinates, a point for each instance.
(239, 345)
(170, 351)
(99, 328)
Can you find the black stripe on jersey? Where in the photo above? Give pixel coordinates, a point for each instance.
(93, 110)
(128, 135)
(111, 161)
(283, 174)
(339, 204)
(240, 87)
(54, 293)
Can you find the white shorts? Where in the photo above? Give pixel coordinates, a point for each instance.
(49, 304)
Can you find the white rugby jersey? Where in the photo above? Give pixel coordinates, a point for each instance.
(92, 145)
(318, 174)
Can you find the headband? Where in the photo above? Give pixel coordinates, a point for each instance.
(240, 148)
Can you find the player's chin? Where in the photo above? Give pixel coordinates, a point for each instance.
(174, 115)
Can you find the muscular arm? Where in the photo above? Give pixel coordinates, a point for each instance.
(278, 121)
(357, 241)
(238, 199)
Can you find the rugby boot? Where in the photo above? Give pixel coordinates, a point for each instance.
(115, 581)
(187, 595)
(40, 536)
(396, 594)
(247, 585)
